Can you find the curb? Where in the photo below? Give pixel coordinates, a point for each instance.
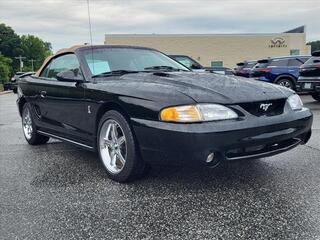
(5, 92)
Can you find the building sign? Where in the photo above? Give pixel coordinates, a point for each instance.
(277, 42)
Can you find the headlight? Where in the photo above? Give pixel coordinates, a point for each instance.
(197, 113)
(295, 102)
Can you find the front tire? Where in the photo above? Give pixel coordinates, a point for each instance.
(29, 127)
(117, 148)
(316, 96)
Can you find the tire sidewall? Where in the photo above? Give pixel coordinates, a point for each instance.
(131, 159)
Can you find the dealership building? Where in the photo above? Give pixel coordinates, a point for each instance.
(220, 49)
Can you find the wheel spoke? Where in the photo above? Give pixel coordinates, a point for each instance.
(121, 158)
(121, 140)
(113, 158)
(108, 131)
(113, 132)
(107, 142)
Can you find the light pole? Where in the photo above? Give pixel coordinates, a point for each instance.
(32, 66)
(21, 62)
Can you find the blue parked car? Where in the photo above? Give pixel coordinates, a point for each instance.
(280, 70)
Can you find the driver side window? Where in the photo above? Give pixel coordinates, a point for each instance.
(68, 62)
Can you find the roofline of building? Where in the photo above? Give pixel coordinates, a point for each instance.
(198, 35)
(297, 30)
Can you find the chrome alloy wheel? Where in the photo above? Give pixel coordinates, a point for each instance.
(27, 124)
(286, 84)
(113, 148)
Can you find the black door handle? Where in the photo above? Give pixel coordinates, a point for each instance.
(43, 94)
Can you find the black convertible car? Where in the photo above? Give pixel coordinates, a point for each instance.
(136, 106)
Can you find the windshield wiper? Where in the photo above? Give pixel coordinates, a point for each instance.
(165, 68)
(114, 73)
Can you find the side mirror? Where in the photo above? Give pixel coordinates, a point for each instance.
(69, 76)
(195, 66)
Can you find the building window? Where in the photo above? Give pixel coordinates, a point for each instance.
(216, 63)
(294, 52)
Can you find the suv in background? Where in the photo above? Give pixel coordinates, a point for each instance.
(197, 67)
(309, 79)
(280, 70)
(244, 69)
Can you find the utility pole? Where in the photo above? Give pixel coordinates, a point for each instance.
(21, 62)
(32, 66)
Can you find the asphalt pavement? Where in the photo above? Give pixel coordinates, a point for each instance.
(58, 191)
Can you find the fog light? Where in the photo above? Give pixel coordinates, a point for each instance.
(210, 158)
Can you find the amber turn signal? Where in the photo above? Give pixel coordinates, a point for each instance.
(180, 114)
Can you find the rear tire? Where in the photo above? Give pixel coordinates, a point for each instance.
(29, 128)
(286, 82)
(118, 149)
(316, 96)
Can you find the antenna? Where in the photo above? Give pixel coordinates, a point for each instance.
(90, 31)
(89, 19)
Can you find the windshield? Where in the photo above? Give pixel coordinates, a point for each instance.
(104, 60)
(262, 64)
(312, 61)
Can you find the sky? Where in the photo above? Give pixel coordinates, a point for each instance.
(65, 23)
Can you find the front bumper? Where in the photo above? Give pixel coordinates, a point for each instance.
(308, 84)
(172, 143)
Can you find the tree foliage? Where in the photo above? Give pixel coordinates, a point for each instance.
(34, 49)
(4, 68)
(9, 42)
(315, 45)
(12, 45)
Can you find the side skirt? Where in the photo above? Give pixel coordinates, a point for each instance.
(66, 140)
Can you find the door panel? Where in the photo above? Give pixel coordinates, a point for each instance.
(61, 110)
(60, 105)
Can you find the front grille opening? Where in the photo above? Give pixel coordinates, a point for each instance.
(258, 149)
(265, 108)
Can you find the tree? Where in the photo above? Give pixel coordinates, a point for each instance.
(315, 45)
(4, 68)
(10, 45)
(9, 42)
(34, 49)
(29, 46)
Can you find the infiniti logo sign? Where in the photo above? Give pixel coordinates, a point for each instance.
(265, 106)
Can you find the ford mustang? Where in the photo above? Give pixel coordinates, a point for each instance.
(136, 106)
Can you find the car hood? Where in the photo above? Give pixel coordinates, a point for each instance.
(207, 87)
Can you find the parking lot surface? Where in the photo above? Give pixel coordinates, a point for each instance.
(58, 191)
